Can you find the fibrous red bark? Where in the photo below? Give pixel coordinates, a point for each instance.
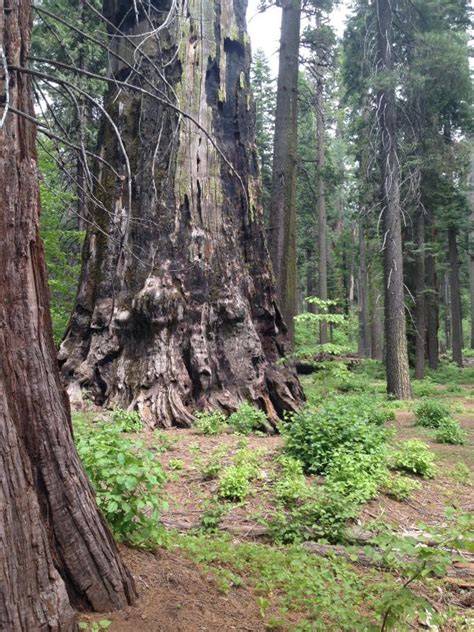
(176, 309)
(55, 549)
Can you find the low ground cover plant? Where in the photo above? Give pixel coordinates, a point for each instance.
(247, 419)
(449, 431)
(210, 423)
(127, 420)
(414, 457)
(127, 479)
(431, 413)
(313, 436)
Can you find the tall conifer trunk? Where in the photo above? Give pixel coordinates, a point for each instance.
(398, 378)
(55, 548)
(176, 309)
(420, 307)
(283, 193)
(456, 318)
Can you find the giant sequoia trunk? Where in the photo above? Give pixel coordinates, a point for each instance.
(176, 309)
(55, 548)
(283, 191)
(396, 354)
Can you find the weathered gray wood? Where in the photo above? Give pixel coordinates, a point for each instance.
(176, 309)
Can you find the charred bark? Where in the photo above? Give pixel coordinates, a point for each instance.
(396, 354)
(176, 309)
(55, 549)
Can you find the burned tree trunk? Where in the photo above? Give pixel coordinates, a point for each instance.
(396, 354)
(55, 548)
(176, 309)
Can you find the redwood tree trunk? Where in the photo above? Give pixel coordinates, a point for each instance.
(55, 548)
(283, 192)
(398, 378)
(456, 319)
(176, 309)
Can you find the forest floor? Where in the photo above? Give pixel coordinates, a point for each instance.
(220, 568)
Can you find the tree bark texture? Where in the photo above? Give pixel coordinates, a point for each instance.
(321, 189)
(420, 307)
(363, 295)
(55, 549)
(456, 318)
(470, 184)
(283, 191)
(431, 300)
(176, 309)
(396, 354)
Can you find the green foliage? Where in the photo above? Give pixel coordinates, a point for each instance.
(424, 388)
(247, 418)
(290, 487)
(314, 436)
(127, 480)
(211, 517)
(308, 593)
(449, 431)
(399, 487)
(356, 475)
(62, 241)
(414, 457)
(127, 420)
(95, 626)
(234, 483)
(321, 517)
(431, 414)
(461, 473)
(235, 480)
(176, 464)
(211, 423)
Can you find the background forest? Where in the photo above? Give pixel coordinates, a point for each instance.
(262, 304)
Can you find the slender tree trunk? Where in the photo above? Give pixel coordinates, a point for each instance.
(398, 377)
(176, 309)
(283, 191)
(456, 319)
(420, 307)
(364, 323)
(55, 548)
(431, 301)
(321, 190)
(471, 240)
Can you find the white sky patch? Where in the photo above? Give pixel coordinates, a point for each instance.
(264, 28)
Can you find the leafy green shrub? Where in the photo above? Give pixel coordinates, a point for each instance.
(372, 369)
(127, 479)
(211, 423)
(176, 464)
(414, 457)
(449, 431)
(234, 483)
(127, 420)
(431, 413)
(399, 487)
(356, 475)
(290, 487)
(424, 388)
(312, 437)
(323, 516)
(247, 418)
